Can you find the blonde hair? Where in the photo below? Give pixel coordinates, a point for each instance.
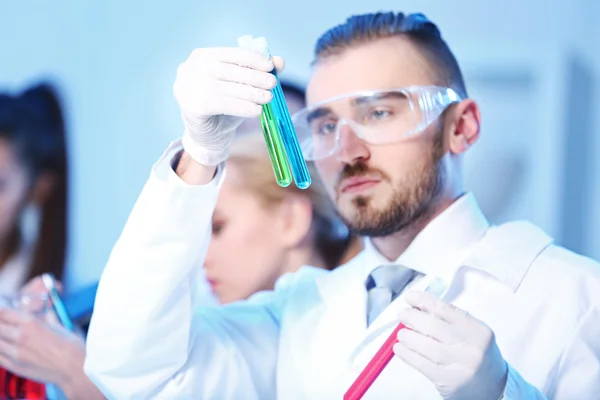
(332, 240)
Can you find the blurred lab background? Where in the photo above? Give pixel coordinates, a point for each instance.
(533, 66)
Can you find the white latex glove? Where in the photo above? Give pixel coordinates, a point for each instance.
(216, 88)
(455, 351)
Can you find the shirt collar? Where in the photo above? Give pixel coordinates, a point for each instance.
(441, 247)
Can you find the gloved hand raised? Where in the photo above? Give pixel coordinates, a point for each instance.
(216, 88)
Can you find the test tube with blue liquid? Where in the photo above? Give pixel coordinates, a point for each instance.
(278, 129)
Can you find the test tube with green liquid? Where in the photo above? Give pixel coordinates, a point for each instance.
(271, 133)
(293, 153)
(281, 167)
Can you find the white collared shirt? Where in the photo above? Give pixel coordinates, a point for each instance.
(308, 339)
(451, 244)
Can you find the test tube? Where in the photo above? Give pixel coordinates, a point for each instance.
(285, 125)
(384, 355)
(271, 132)
(290, 139)
(57, 304)
(272, 135)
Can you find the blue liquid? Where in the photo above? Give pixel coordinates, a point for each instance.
(290, 139)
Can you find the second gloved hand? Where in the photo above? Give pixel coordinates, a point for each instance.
(216, 88)
(455, 351)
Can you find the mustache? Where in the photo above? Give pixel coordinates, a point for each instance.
(359, 169)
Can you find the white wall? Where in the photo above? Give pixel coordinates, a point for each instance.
(116, 62)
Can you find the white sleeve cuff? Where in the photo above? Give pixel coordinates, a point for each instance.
(203, 155)
(163, 169)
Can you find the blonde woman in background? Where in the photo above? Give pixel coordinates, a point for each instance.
(261, 231)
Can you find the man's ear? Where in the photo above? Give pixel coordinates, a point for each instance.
(466, 122)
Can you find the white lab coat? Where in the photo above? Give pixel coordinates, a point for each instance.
(308, 339)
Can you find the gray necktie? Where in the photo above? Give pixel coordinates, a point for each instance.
(383, 285)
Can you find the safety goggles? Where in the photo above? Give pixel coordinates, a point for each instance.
(377, 117)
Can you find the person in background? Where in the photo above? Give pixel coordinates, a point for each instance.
(33, 239)
(246, 205)
(33, 187)
(261, 231)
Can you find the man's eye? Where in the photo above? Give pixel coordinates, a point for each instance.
(380, 114)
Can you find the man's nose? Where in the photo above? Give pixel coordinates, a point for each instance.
(351, 147)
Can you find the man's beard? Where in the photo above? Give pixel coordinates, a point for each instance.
(411, 200)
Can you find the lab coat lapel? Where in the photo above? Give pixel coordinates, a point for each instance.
(378, 332)
(343, 324)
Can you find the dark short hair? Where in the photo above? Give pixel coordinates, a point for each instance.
(417, 28)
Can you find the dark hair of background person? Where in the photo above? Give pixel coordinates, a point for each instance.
(33, 123)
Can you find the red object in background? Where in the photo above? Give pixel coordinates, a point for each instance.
(368, 375)
(13, 387)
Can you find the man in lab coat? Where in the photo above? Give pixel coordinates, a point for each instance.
(515, 317)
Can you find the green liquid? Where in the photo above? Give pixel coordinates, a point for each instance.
(281, 168)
